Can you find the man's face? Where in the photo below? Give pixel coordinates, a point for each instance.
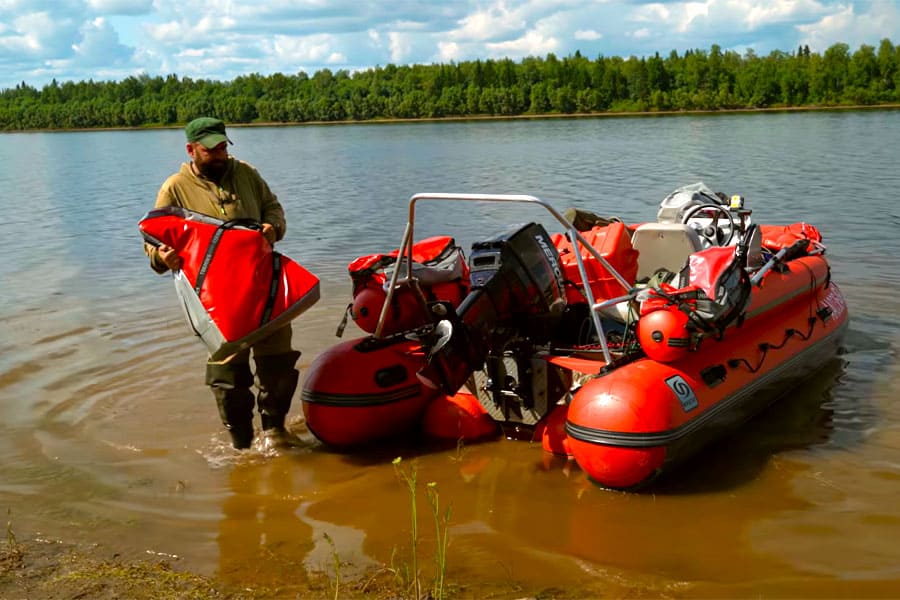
(211, 162)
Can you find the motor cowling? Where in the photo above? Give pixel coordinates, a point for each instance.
(517, 291)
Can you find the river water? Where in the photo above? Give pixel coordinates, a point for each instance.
(109, 435)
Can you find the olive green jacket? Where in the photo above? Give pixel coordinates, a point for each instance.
(242, 194)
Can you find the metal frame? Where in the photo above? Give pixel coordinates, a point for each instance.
(406, 245)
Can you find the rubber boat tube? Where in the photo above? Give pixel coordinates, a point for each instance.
(626, 425)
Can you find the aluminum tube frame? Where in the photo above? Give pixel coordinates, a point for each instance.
(406, 245)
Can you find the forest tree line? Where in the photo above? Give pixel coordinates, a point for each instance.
(696, 80)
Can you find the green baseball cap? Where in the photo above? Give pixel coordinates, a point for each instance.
(207, 131)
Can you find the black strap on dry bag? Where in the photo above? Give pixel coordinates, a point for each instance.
(214, 244)
(273, 288)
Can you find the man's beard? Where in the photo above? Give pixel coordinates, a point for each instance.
(213, 170)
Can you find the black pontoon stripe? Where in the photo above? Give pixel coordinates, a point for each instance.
(356, 400)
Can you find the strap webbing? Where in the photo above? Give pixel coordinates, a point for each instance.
(210, 251)
(273, 288)
(214, 244)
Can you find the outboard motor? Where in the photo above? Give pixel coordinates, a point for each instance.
(517, 296)
(518, 283)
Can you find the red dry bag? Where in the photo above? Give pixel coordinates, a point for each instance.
(234, 287)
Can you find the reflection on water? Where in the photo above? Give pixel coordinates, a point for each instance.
(109, 434)
(261, 535)
(803, 419)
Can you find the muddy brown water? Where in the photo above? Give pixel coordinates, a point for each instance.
(108, 433)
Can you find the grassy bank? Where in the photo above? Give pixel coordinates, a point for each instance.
(54, 569)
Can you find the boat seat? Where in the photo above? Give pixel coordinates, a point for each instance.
(663, 246)
(754, 251)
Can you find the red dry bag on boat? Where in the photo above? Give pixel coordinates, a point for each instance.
(719, 273)
(439, 266)
(234, 287)
(716, 295)
(777, 237)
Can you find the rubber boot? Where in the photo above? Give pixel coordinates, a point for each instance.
(230, 384)
(277, 381)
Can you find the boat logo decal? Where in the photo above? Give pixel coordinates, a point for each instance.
(683, 392)
(554, 263)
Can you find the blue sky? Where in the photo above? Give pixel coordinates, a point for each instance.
(74, 40)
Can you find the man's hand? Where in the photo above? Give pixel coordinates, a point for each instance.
(268, 231)
(169, 257)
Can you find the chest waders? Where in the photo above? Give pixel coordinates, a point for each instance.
(276, 381)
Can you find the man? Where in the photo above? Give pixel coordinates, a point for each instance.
(216, 184)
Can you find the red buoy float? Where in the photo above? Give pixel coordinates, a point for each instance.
(551, 431)
(663, 334)
(364, 390)
(621, 409)
(403, 314)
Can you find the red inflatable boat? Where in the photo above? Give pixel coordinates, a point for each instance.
(626, 347)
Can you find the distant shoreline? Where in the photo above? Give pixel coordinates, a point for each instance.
(383, 121)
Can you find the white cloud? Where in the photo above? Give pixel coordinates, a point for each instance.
(100, 46)
(588, 35)
(40, 34)
(406, 25)
(209, 24)
(448, 51)
(763, 25)
(307, 49)
(641, 33)
(881, 21)
(400, 45)
(829, 25)
(759, 14)
(192, 53)
(691, 11)
(17, 43)
(488, 24)
(121, 7)
(652, 13)
(532, 43)
(170, 32)
(730, 15)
